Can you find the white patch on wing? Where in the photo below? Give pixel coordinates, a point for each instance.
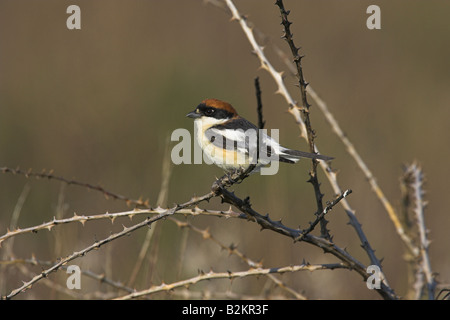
(229, 134)
(230, 139)
(269, 141)
(244, 140)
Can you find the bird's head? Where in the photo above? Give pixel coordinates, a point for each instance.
(213, 110)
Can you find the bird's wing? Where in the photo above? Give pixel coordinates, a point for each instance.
(238, 134)
(229, 139)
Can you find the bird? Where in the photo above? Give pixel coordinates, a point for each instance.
(232, 142)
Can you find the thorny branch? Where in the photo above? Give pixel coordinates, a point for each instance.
(322, 214)
(399, 228)
(231, 275)
(99, 277)
(287, 35)
(49, 225)
(328, 246)
(261, 121)
(100, 243)
(232, 250)
(218, 189)
(413, 178)
(81, 253)
(50, 176)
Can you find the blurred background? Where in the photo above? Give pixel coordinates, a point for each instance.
(99, 104)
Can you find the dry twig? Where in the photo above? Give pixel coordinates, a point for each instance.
(414, 177)
(230, 275)
(50, 176)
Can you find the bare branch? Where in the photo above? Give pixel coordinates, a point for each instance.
(50, 176)
(323, 213)
(261, 121)
(232, 250)
(81, 253)
(99, 277)
(100, 243)
(366, 171)
(287, 35)
(230, 275)
(416, 185)
(112, 216)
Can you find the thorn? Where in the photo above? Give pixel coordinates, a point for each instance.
(206, 234)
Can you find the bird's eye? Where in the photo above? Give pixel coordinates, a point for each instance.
(209, 112)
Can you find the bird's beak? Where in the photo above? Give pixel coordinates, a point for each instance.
(193, 115)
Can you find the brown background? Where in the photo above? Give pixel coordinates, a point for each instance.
(98, 105)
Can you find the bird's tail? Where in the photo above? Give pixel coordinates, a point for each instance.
(292, 156)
